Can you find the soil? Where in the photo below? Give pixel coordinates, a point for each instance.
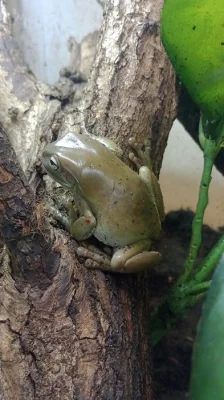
(172, 356)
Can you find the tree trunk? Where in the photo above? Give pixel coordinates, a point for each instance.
(67, 332)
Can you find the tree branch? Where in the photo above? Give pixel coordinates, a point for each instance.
(84, 334)
(131, 90)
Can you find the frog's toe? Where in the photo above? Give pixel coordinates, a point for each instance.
(94, 260)
(90, 264)
(142, 158)
(135, 160)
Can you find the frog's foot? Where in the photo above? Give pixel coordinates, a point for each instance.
(128, 259)
(139, 157)
(95, 259)
(64, 210)
(80, 228)
(83, 227)
(57, 215)
(135, 258)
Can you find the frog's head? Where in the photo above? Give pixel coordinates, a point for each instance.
(57, 161)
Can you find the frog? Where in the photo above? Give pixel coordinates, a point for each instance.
(123, 209)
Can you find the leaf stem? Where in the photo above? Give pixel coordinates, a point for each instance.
(210, 262)
(188, 290)
(196, 238)
(197, 289)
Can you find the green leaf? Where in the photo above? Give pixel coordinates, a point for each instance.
(193, 34)
(207, 377)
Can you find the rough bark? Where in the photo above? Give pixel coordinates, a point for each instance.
(26, 113)
(131, 90)
(67, 332)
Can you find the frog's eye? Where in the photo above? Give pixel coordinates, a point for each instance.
(53, 163)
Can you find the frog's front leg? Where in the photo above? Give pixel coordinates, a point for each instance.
(81, 227)
(128, 259)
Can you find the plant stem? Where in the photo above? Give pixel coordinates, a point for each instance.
(188, 290)
(209, 157)
(197, 289)
(210, 262)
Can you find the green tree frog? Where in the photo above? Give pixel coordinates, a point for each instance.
(121, 208)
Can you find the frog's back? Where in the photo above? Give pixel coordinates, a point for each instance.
(119, 198)
(127, 218)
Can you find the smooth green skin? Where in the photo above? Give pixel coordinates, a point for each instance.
(207, 378)
(119, 207)
(192, 32)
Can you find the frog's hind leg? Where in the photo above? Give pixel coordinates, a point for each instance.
(135, 258)
(143, 163)
(129, 259)
(147, 175)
